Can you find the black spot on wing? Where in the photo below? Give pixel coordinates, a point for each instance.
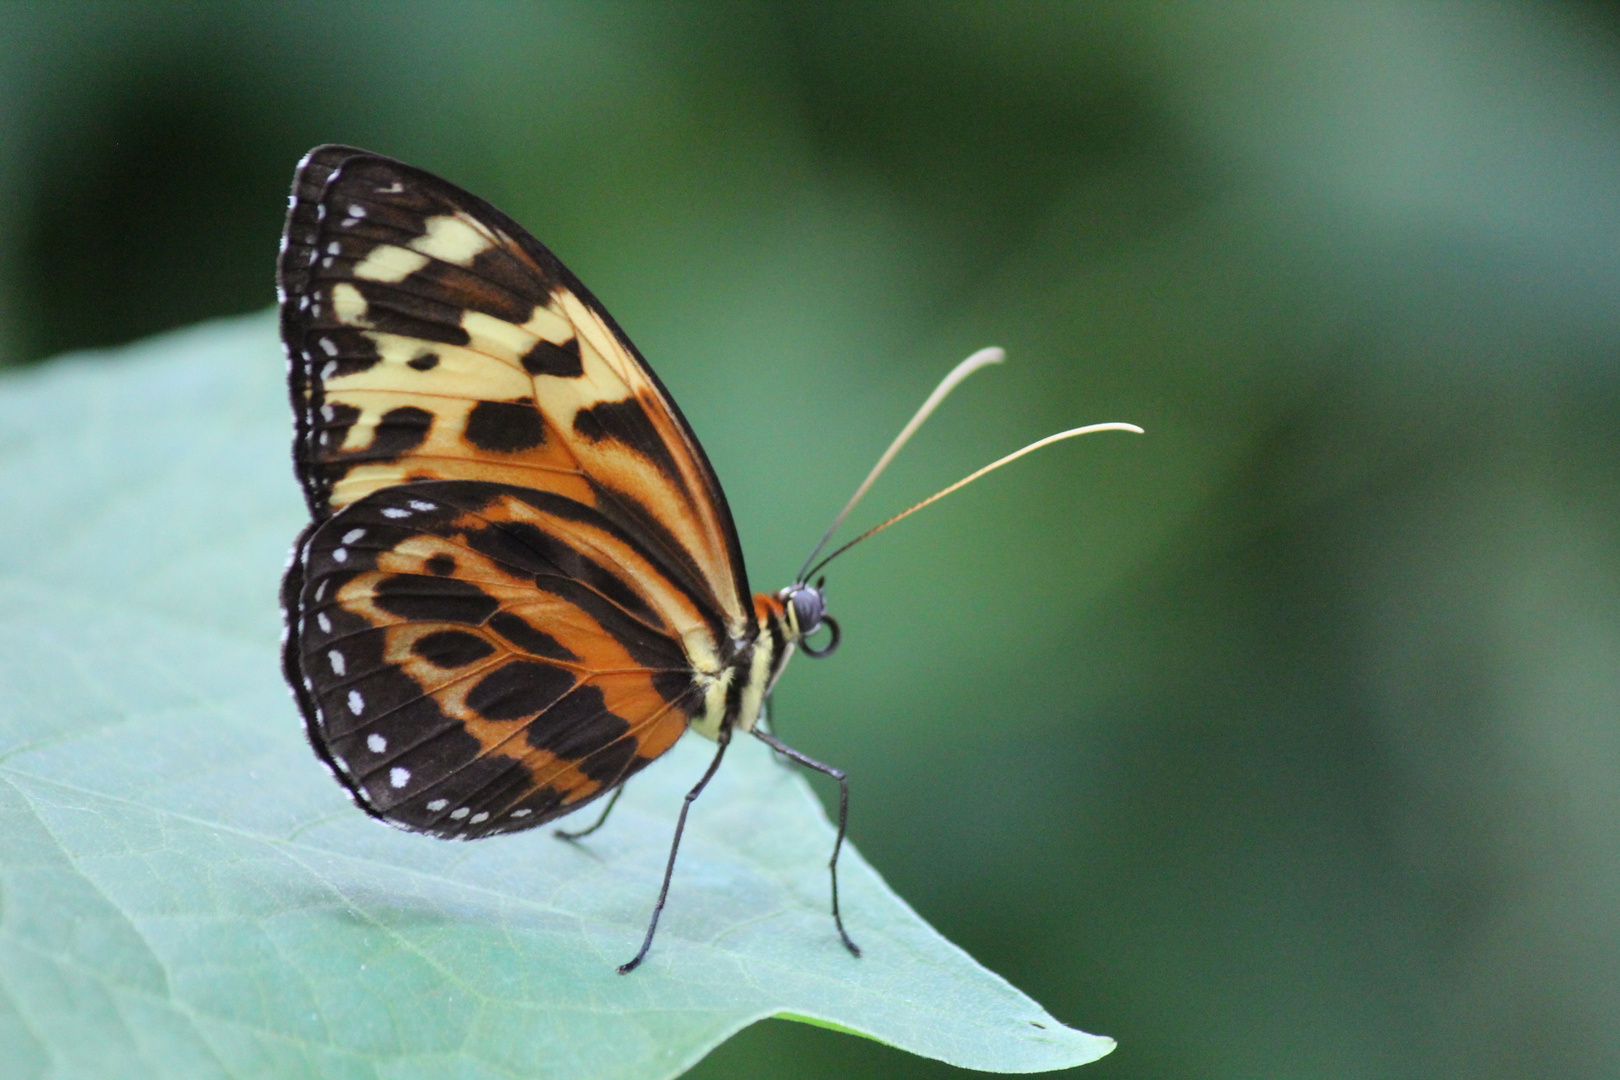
(399, 431)
(612, 762)
(520, 546)
(441, 564)
(519, 689)
(505, 426)
(626, 422)
(535, 642)
(546, 800)
(450, 649)
(547, 358)
(431, 599)
(394, 310)
(578, 725)
(497, 284)
(425, 362)
(525, 547)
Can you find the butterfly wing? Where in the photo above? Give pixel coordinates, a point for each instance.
(430, 337)
(476, 658)
(522, 580)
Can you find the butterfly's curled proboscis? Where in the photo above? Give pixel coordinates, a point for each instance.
(521, 582)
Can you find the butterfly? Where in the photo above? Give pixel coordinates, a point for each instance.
(521, 582)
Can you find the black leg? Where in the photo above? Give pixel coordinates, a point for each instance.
(767, 719)
(579, 834)
(675, 845)
(843, 819)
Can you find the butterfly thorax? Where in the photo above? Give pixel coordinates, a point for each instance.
(734, 697)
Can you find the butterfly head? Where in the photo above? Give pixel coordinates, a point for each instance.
(806, 610)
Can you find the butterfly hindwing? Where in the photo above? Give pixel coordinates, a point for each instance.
(468, 667)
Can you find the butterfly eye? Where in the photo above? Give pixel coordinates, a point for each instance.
(809, 608)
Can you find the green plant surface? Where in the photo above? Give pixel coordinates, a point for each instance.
(186, 893)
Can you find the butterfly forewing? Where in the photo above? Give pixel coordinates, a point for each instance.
(522, 581)
(432, 338)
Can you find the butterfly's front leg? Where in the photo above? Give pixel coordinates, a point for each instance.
(767, 724)
(843, 819)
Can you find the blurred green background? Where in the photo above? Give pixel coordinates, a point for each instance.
(1281, 742)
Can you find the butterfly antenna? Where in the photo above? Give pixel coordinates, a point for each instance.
(982, 358)
(970, 477)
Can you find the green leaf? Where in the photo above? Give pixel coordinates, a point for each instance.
(186, 893)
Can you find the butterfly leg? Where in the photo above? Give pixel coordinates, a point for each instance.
(580, 834)
(843, 819)
(675, 845)
(767, 721)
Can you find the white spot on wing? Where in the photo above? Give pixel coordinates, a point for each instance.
(340, 666)
(376, 743)
(398, 777)
(334, 248)
(395, 512)
(340, 555)
(357, 704)
(460, 812)
(352, 535)
(438, 804)
(356, 210)
(479, 818)
(418, 504)
(323, 622)
(328, 346)
(525, 812)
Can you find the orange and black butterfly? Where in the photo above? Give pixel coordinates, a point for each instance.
(521, 582)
